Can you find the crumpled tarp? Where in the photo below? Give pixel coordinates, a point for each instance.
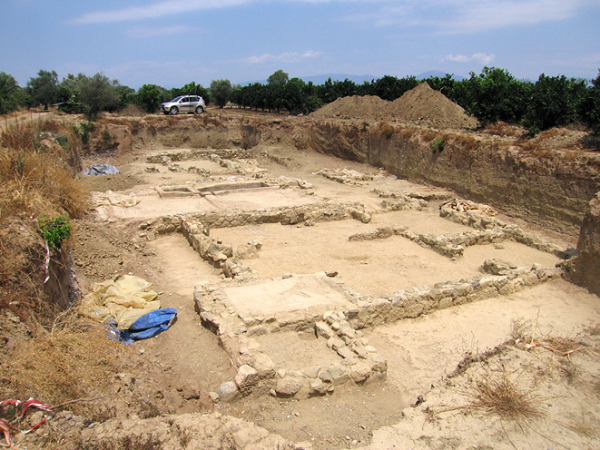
(122, 301)
(101, 169)
(111, 198)
(149, 325)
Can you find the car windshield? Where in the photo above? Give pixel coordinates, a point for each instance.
(176, 99)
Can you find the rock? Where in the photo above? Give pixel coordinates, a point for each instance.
(498, 267)
(360, 372)
(263, 365)
(322, 329)
(335, 343)
(345, 352)
(288, 386)
(348, 331)
(228, 391)
(339, 375)
(214, 397)
(246, 378)
(317, 387)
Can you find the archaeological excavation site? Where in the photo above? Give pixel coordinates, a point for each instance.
(359, 277)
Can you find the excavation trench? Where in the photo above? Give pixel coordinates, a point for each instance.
(331, 285)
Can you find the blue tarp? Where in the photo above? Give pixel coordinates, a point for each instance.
(146, 326)
(101, 169)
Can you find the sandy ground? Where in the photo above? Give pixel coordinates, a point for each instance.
(427, 399)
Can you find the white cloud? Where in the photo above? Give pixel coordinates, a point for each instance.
(145, 32)
(288, 57)
(466, 16)
(483, 58)
(480, 15)
(154, 11)
(442, 16)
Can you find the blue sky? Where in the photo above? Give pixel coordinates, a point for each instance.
(173, 42)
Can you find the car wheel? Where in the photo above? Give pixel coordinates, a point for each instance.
(174, 110)
(199, 110)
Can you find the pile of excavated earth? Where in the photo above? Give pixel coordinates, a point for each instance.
(421, 106)
(328, 304)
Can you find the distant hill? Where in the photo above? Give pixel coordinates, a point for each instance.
(321, 79)
(439, 73)
(360, 79)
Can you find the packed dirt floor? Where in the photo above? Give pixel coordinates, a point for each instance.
(438, 364)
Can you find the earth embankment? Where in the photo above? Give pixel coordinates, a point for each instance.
(548, 180)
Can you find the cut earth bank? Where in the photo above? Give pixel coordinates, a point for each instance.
(339, 303)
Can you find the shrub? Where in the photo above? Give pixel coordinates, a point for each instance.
(437, 146)
(55, 230)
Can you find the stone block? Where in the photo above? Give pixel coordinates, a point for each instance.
(228, 391)
(288, 386)
(246, 378)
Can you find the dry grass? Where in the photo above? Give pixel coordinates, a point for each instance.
(37, 168)
(503, 129)
(74, 360)
(501, 396)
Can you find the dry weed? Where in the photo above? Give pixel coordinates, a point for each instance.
(503, 397)
(503, 129)
(37, 171)
(74, 360)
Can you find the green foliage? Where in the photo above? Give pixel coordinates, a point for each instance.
(107, 139)
(590, 106)
(220, 92)
(97, 94)
(495, 95)
(390, 88)
(191, 89)
(149, 97)
(10, 98)
(554, 101)
(83, 131)
(44, 88)
(55, 230)
(278, 78)
(437, 146)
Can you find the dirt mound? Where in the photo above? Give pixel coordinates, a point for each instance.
(421, 105)
(355, 106)
(425, 106)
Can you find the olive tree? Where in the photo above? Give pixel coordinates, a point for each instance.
(220, 92)
(96, 94)
(279, 78)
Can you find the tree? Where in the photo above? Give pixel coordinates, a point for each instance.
(495, 95)
(149, 97)
(279, 77)
(98, 94)
(220, 92)
(44, 88)
(590, 107)
(9, 93)
(554, 102)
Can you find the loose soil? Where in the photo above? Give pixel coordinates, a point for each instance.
(420, 106)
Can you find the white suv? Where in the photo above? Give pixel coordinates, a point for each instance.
(184, 104)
